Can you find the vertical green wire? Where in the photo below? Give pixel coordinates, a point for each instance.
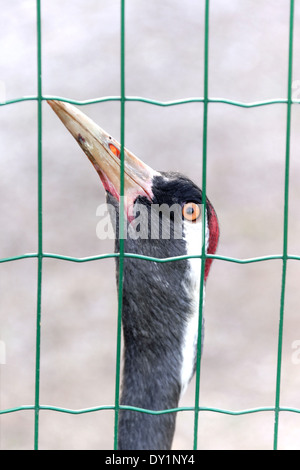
(285, 227)
(203, 254)
(121, 224)
(121, 258)
(40, 227)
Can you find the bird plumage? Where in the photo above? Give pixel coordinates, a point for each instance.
(160, 303)
(160, 312)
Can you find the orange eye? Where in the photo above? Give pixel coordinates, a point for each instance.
(114, 150)
(191, 211)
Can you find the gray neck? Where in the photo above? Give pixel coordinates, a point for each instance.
(156, 308)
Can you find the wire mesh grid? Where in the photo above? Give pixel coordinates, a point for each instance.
(40, 255)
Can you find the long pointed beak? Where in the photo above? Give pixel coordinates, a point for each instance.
(104, 153)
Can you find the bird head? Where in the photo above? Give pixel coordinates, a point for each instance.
(168, 204)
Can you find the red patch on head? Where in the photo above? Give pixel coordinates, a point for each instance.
(214, 232)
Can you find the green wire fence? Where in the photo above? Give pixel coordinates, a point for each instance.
(40, 255)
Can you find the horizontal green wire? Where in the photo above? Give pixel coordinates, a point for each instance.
(133, 255)
(144, 410)
(148, 258)
(241, 104)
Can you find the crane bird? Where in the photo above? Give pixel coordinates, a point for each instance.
(160, 300)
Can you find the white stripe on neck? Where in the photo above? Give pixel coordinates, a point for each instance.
(193, 238)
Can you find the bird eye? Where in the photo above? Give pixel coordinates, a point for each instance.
(114, 150)
(191, 211)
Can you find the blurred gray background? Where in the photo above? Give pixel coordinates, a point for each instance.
(246, 160)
